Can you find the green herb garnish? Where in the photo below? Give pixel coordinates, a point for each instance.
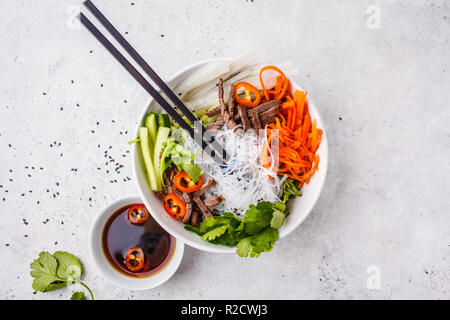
(290, 190)
(252, 235)
(79, 295)
(52, 272)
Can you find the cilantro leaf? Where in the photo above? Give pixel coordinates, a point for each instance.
(52, 272)
(258, 217)
(79, 295)
(277, 219)
(254, 245)
(69, 267)
(216, 232)
(279, 205)
(43, 270)
(193, 229)
(264, 241)
(244, 248)
(213, 222)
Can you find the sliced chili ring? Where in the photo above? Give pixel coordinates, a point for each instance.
(138, 214)
(252, 96)
(135, 259)
(174, 206)
(184, 183)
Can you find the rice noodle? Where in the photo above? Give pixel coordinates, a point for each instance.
(243, 180)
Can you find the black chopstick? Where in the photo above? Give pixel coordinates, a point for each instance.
(143, 82)
(147, 86)
(151, 73)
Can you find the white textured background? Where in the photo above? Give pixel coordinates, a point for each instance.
(384, 96)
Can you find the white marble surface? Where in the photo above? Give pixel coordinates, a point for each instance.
(383, 93)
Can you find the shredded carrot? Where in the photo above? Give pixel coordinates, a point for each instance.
(298, 135)
(281, 84)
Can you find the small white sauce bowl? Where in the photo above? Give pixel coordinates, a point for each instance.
(301, 207)
(113, 275)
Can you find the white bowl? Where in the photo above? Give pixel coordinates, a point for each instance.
(108, 270)
(301, 207)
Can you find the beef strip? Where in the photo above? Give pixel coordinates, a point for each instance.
(213, 111)
(227, 118)
(195, 217)
(272, 112)
(266, 106)
(231, 102)
(205, 211)
(188, 201)
(212, 203)
(223, 107)
(268, 116)
(168, 182)
(207, 186)
(244, 118)
(255, 120)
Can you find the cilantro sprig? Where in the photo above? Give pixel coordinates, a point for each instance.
(257, 232)
(252, 235)
(56, 271)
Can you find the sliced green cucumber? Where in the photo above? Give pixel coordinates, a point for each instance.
(161, 139)
(146, 146)
(152, 125)
(164, 120)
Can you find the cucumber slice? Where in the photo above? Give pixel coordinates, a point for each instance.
(164, 120)
(146, 146)
(161, 138)
(152, 126)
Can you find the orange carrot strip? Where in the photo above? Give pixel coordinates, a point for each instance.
(298, 135)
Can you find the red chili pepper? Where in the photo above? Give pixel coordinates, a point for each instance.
(252, 96)
(184, 183)
(138, 214)
(134, 259)
(174, 206)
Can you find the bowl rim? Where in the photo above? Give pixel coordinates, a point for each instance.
(112, 274)
(208, 247)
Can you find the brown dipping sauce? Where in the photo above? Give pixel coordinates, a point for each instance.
(119, 235)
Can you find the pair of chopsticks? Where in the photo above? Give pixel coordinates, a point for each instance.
(197, 133)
